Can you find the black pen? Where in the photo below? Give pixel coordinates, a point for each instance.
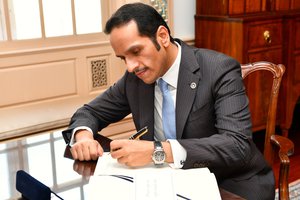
(138, 134)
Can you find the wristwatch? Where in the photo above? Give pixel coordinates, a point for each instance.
(159, 154)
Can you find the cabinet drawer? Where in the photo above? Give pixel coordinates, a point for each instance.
(273, 55)
(297, 34)
(262, 35)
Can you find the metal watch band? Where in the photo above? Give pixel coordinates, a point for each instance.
(158, 155)
(157, 145)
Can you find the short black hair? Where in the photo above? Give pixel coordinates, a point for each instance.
(146, 17)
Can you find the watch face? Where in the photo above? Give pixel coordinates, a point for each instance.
(159, 156)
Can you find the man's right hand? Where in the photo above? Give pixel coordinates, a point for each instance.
(85, 147)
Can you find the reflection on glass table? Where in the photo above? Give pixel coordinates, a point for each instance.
(42, 156)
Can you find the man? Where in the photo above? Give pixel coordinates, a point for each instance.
(213, 125)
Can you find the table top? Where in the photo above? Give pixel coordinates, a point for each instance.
(47, 158)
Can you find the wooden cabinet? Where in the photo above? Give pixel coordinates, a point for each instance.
(256, 30)
(291, 82)
(229, 7)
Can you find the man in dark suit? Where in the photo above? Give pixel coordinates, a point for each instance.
(213, 124)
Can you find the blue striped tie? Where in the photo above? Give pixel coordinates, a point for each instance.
(168, 111)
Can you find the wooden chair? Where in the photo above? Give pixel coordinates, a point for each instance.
(272, 141)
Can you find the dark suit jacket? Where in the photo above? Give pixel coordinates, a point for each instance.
(212, 120)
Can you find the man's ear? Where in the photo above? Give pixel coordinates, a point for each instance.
(163, 36)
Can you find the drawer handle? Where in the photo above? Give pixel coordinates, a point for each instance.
(267, 37)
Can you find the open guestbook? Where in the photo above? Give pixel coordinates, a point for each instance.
(112, 180)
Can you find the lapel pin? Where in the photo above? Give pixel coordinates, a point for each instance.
(193, 85)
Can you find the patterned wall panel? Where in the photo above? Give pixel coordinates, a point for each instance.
(98, 67)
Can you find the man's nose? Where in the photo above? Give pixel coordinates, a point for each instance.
(131, 64)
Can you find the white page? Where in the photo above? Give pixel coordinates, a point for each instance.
(151, 182)
(196, 184)
(109, 187)
(156, 185)
(108, 165)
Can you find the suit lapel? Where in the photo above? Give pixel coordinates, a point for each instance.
(188, 80)
(188, 77)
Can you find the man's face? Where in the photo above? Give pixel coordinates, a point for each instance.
(139, 53)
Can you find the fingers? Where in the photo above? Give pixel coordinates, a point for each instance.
(132, 152)
(119, 152)
(119, 148)
(86, 150)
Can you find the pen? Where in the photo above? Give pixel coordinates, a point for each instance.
(138, 134)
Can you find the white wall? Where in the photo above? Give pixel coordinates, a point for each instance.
(184, 23)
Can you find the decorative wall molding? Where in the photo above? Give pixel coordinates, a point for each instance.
(37, 81)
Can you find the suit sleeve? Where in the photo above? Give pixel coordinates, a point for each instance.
(109, 107)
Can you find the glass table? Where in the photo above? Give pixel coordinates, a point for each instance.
(47, 158)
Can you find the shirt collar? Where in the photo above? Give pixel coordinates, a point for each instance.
(171, 76)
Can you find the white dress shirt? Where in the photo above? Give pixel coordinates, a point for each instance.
(171, 77)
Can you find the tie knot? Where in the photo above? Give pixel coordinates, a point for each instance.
(163, 85)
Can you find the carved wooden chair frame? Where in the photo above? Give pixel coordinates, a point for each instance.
(274, 142)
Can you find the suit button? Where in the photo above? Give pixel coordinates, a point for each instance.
(202, 165)
(205, 164)
(196, 165)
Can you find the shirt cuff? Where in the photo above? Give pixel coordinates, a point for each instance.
(179, 154)
(72, 141)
